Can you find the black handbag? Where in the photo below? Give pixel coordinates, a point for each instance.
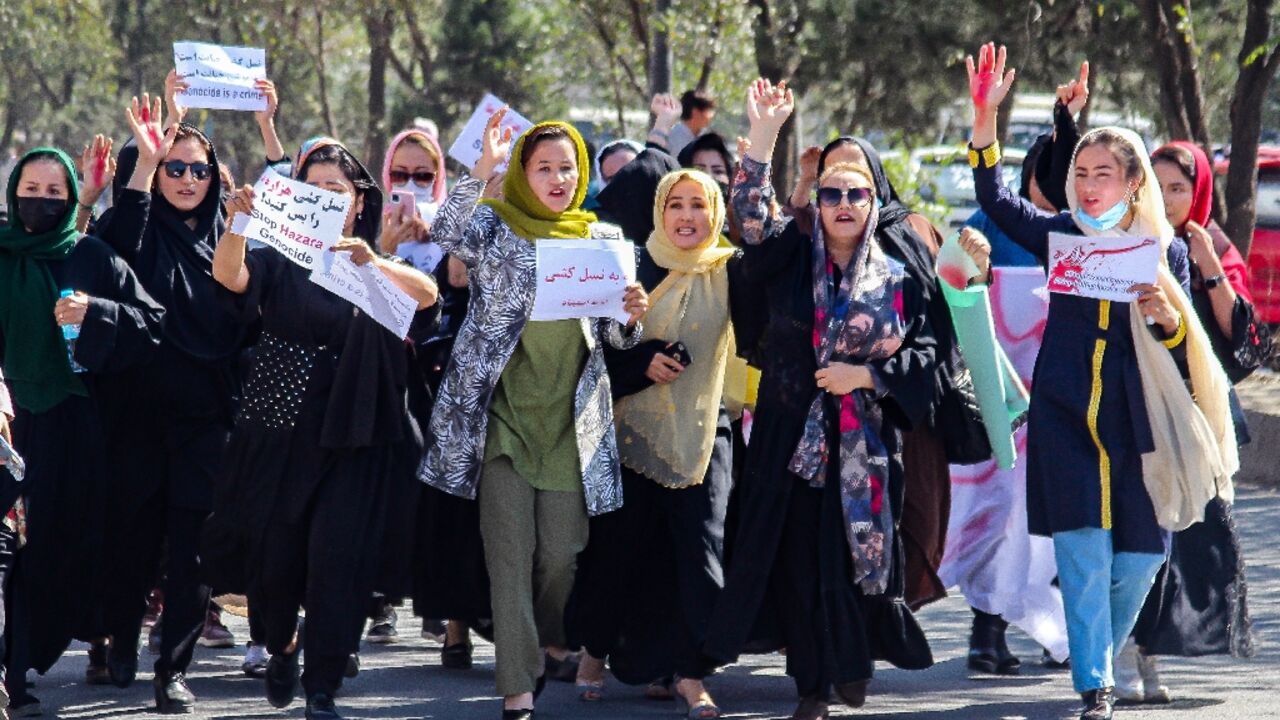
(958, 419)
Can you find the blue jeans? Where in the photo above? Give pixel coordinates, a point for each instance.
(1102, 591)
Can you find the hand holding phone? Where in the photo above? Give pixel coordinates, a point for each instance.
(404, 203)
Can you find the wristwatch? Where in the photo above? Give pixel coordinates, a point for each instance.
(1215, 281)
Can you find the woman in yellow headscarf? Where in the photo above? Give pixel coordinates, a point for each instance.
(524, 413)
(653, 570)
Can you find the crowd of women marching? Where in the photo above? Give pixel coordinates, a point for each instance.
(756, 460)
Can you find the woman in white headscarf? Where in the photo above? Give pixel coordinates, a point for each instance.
(1119, 451)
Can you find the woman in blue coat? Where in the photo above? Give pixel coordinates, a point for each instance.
(1115, 438)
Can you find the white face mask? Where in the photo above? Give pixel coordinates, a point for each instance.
(422, 195)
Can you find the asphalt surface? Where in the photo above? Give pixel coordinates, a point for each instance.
(405, 680)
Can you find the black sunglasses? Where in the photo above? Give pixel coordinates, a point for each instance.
(831, 197)
(177, 168)
(400, 177)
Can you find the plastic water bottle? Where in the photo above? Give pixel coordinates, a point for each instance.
(69, 335)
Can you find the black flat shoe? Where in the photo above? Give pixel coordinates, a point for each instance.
(122, 662)
(173, 697)
(539, 686)
(986, 641)
(523, 714)
(97, 673)
(811, 707)
(1098, 704)
(320, 707)
(282, 679)
(853, 694)
(353, 666)
(456, 656)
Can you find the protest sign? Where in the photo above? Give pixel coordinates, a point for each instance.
(1101, 267)
(219, 77)
(301, 221)
(466, 149)
(369, 289)
(583, 278)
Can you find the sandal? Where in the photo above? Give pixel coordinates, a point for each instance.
(707, 710)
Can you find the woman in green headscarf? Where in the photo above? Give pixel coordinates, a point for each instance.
(52, 278)
(524, 412)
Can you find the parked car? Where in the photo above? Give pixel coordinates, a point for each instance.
(943, 175)
(1264, 252)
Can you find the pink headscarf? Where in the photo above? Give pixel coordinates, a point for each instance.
(438, 190)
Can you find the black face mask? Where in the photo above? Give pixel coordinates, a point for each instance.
(39, 215)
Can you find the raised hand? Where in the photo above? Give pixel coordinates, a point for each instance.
(666, 112)
(768, 107)
(98, 168)
(988, 82)
(174, 84)
(1075, 94)
(495, 146)
(144, 121)
(268, 88)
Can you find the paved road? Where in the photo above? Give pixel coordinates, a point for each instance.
(405, 681)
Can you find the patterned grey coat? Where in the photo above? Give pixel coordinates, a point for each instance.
(503, 280)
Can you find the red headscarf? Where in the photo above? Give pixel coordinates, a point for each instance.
(1233, 265)
(1202, 190)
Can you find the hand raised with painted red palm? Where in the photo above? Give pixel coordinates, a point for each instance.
(988, 82)
(144, 121)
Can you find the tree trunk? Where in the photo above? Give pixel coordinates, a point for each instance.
(1257, 68)
(660, 59)
(379, 25)
(709, 60)
(325, 109)
(778, 63)
(1181, 98)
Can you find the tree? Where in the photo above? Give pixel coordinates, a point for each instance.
(1258, 61)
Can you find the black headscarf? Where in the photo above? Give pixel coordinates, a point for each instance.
(627, 201)
(1032, 165)
(175, 261)
(707, 141)
(368, 224)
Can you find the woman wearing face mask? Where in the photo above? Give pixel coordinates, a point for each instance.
(847, 356)
(320, 437)
(415, 165)
(524, 414)
(170, 422)
(1198, 605)
(652, 570)
(1118, 449)
(58, 428)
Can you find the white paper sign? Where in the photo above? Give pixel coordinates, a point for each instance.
(466, 149)
(583, 278)
(301, 221)
(369, 289)
(1101, 267)
(220, 77)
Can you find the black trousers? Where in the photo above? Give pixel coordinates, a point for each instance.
(325, 560)
(186, 599)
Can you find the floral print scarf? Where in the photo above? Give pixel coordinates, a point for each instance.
(857, 322)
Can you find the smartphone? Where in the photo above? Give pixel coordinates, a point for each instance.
(406, 202)
(679, 353)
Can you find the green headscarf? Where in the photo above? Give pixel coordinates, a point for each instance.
(35, 358)
(525, 214)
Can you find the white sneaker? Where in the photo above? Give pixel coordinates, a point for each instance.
(255, 660)
(1153, 692)
(1125, 669)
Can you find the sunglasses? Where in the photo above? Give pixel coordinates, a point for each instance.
(831, 197)
(400, 177)
(177, 168)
